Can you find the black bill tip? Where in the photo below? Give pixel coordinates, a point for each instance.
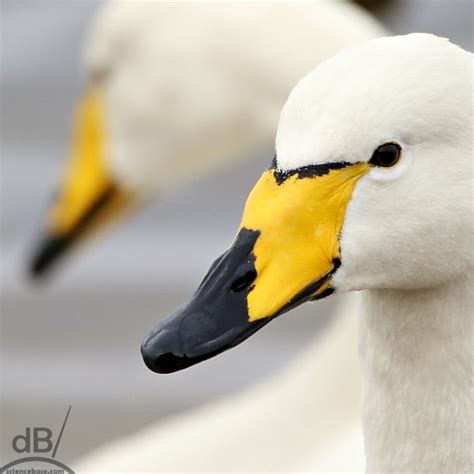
(52, 248)
(160, 355)
(47, 253)
(162, 350)
(216, 317)
(186, 339)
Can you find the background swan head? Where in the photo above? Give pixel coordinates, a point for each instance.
(165, 102)
(370, 188)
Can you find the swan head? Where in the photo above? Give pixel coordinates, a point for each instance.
(139, 130)
(371, 188)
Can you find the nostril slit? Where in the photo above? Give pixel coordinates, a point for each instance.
(244, 281)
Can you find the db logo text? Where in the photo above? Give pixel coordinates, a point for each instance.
(39, 447)
(36, 440)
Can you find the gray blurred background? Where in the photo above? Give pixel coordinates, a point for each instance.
(76, 340)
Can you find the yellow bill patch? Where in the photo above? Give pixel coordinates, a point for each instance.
(299, 221)
(87, 183)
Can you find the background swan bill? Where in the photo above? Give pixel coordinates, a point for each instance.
(90, 197)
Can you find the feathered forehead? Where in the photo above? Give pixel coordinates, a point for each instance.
(410, 88)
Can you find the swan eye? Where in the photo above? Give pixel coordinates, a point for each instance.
(386, 155)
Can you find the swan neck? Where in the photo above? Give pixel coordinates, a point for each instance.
(416, 350)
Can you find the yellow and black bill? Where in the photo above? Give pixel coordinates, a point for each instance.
(89, 197)
(285, 253)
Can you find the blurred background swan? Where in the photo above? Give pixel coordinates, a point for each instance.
(86, 315)
(175, 91)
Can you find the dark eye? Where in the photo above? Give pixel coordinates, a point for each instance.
(386, 155)
(244, 281)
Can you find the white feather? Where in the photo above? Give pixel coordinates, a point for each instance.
(190, 87)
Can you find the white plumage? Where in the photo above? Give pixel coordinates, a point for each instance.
(406, 238)
(190, 87)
